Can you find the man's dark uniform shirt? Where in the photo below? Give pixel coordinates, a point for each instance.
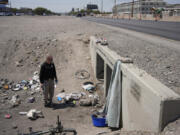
(48, 71)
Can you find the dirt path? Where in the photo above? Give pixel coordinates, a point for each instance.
(28, 45)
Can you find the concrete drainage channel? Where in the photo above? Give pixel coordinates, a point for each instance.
(147, 104)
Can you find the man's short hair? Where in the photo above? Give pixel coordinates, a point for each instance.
(49, 57)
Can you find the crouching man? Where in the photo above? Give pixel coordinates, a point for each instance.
(47, 78)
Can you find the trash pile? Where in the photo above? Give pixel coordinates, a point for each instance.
(91, 100)
(10, 92)
(65, 98)
(102, 41)
(32, 84)
(83, 98)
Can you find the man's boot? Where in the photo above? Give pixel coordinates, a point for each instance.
(50, 103)
(45, 104)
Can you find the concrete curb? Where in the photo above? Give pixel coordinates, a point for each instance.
(147, 104)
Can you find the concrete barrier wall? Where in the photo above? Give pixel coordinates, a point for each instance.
(147, 104)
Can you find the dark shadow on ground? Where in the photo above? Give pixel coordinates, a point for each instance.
(62, 106)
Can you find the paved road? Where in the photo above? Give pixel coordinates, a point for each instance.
(170, 30)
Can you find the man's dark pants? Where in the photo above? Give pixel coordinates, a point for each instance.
(48, 88)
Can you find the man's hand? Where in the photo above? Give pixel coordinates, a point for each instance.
(41, 86)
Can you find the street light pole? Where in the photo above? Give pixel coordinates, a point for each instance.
(101, 6)
(115, 7)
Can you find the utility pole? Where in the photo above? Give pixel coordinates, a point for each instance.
(10, 4)
(101, 6)
(132, 10)
(115, 7)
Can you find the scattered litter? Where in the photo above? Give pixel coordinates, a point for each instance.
(8, 116)
(85, 102)
(33, 114)
(54, 40)
(17, 87)
(15, 101)
(102, 41)
(98, 41)
(6, 86)
(22, 113)
(70, 97)
(32, 92)
(89, 86)
(59, 98)
(126, 60)
(99, 122)
(82, 74)
(36, 73)
(92, 100)
(171, 82)
(31, 100)
(76, 96)
(94, 97)
(24, 82)
(25, 88)
(74, 102)
(32, 84)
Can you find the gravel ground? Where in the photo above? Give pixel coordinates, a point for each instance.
(160, 61)
(159, 57)
(24, 42)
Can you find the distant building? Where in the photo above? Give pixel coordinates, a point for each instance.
(139, 6)
(4, 7)
(26, 11)
(3, 1)
(172, 10)
(92, 7)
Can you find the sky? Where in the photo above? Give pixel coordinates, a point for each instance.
(67, 5)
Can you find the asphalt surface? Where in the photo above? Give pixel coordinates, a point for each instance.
(170, 30)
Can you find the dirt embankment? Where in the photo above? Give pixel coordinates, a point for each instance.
(24, 43)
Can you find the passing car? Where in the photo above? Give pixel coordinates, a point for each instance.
(1, 13)
(8, 14)
(18, 14)
(79, 15)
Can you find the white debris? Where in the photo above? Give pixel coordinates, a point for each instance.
(17, 87)
(22, 113)
(33, 114)
(70, 96)
(15, 101)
